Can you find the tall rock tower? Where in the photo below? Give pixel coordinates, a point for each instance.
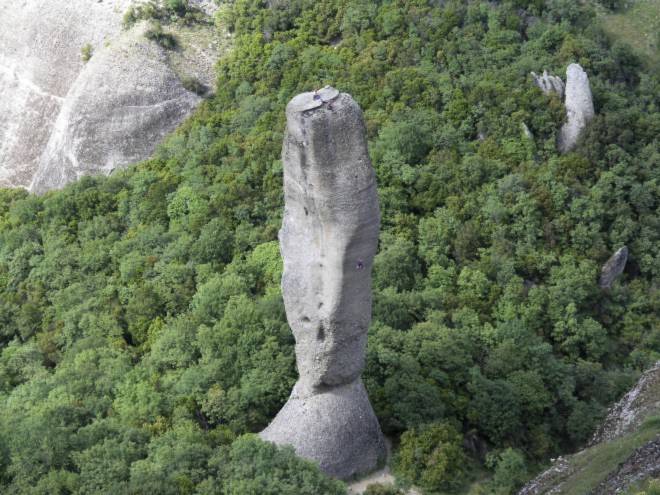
(579, 107)
(328, 241)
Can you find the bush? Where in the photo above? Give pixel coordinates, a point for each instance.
(193, 85)
(432, 457)
(157, 34)
(177, 6)
(86, 52)
(253, 466)
(510, 471)
(380, 489)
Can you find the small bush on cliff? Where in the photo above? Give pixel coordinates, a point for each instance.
(156, 33)
(193, 85)
(86, 52)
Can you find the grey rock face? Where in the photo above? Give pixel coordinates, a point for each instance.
(335, 427)
(328, 241)
(110, 118)
(549, 84)
(579, 107)
(61, 118)
(613, 268)
(642, 464)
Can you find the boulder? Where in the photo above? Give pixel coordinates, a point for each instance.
(328, 241)
(549, 84)
(613, 268)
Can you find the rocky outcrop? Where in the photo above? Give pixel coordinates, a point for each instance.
(633, 409)
(60, 117)
(579, 107)
(328, 241)
(613, 268)
(624, 420)
(642, 464)
(549, 84)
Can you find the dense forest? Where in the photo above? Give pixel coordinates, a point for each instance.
(142, 331)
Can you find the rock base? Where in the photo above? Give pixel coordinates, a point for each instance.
(335, 427)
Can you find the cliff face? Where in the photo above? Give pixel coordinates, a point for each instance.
(61, 118)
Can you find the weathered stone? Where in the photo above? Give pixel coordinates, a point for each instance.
(549, 84)
(110, 118)
(63, 117)
(613, 268)
(579, 107)
(328, 241)
(335, 427)
(642, 464)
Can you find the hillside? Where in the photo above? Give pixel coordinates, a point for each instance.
(624, 452)
(142, 331)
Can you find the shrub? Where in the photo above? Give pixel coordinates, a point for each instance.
(193, 85)
(432, 457)
(86, 52)
(177, 6)
(157, 34)
(510, 471)
(380, 489)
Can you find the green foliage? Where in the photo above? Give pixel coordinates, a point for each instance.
(510, 471)
(193, 85)
(177, 6)
(156, 33)
(253, 466)
(167, 11)
(652, 489)
(86, 52)
(141, 322)
(432, 457)
(380, 489)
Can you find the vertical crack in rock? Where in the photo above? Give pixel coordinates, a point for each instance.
(328, 241)
(579, 107)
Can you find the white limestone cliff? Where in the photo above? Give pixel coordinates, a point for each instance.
(60, 117)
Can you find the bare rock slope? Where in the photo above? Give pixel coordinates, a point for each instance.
(328, 241)
(60, 117)
(625, 450)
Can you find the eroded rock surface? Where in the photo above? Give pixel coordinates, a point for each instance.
(328, 241)
(613, 268)
(579, 107)
(642, 464)
(549, 84)
(60, 117)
